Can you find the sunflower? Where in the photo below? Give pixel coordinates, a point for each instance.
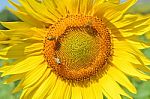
(75, 49)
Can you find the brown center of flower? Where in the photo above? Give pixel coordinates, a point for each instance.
(78, 47)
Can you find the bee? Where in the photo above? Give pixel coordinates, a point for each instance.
(57, 60)
(51, 38)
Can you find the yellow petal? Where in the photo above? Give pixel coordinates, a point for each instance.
(116, 12)
(30, 91)
(121, 79)
(128, 68)
(133, 25)
(88, 92)
(97, 90)
(5, 40)
(46, 87)
(114, 1)
(4, 68)
(16, 25)
(138, 45)
(67, 94)
(60, 7)
(127, 47)
(24, 34)
(34, 8)
(14, 78)
(72, 6)
(126, 56)
(142, 67)
(113, 12)
(24, 65)
(86, 6)
(28, 18)
(33, 76)
(33, 47)
(76, 92)
(110, 87)
(56, 93)
(130, 21)
(39, 33)
(140, 30)
(51, 6)
(83, 6)
(16, 33)
(19, 50)
(23, 92)
(42, 10)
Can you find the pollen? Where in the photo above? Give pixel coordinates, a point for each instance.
(78, 47)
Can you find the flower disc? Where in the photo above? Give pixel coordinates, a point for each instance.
(78, 47)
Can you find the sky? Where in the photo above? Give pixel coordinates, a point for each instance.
(4, 3)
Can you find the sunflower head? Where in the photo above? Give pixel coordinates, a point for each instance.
(79, 49)
(78, 46)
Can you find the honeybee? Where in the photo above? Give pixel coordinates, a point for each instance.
(50, 38)
(57, 60)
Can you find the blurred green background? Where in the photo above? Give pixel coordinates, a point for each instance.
(143, 88)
